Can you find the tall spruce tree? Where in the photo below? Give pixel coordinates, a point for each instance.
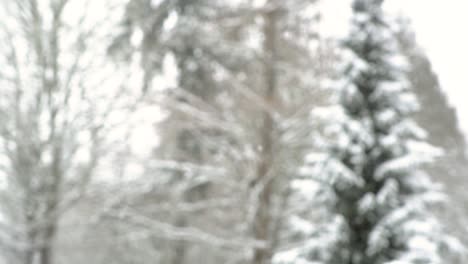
(440, 120)
(195, 35)
(445, 133)
(245, 72)
(378, 200)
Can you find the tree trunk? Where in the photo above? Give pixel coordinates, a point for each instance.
(46, 252)
(263, 221)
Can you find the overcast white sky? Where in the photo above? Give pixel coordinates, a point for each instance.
(441, 31)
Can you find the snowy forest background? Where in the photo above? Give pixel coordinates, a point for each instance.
(223, 131)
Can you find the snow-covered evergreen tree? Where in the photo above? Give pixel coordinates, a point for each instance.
(451, 169)
(244, 72)
(379, 203)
